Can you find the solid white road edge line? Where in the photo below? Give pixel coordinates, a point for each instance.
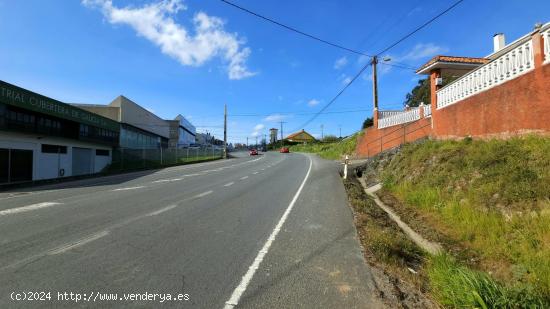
(28, 208)
(241, 288)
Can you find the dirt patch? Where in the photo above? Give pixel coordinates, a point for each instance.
(397, 263)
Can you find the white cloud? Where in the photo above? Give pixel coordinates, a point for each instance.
(155, 22)
(275, 118)
(313, 102)
(258, 127)
(345, 79)
(340, 63)
(422, 50)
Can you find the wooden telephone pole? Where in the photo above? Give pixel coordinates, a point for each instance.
(374, 83)
(225, 131)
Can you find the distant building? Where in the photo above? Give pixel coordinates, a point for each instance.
(273, 135)
(42, 138)
(182, 133)
(139, 128)
(301, 137)
(204, 139)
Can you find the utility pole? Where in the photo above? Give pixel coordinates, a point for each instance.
(225, 131)
(247, 142)
(282, 136)
(322, 135)
(374, 83)
(340, 129)
(256, 142)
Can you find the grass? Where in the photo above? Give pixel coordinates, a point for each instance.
(330, 151)
(383, 241)
(492, 197)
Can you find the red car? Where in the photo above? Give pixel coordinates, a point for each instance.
(253, 152)
(284, 150)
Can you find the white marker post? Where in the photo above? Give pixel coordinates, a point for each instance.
(346, 162)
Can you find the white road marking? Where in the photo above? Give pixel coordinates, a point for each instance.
(228, 184)
(243, 178)
(203, 194)
(241, 288)
(158, 212)
(161, 180)
(28, 208)
(78, 243)
(128, 188)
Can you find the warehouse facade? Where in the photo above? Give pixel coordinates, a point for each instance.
(139, 128)
(42, 138)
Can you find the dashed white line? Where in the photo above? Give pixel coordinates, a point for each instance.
(27, 208)
(241, 288)
(203, 194)
(161, 180)
(255, 173)
(243, 178)
(128, 188)
(229, 184)
(158, 212)
(78, 243)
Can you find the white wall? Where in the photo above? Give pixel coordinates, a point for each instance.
(45, 165)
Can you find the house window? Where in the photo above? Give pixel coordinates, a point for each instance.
(53, 148)
(102, 152)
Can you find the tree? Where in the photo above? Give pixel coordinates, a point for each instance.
(368, 122)
(420, 93)
(330, 139)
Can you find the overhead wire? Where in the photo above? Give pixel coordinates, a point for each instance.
(346, 48)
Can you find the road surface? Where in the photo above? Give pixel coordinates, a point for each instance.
(272, 231)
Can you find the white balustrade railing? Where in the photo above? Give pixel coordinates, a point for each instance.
(546, 39)
(504, 68)
(386, 114)
(402, 117)
(427, 110)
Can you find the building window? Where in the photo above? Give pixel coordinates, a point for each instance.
(53, 148)
(102, 152)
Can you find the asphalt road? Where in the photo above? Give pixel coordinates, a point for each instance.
(272, 231)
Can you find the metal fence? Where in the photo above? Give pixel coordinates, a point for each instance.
(129, 159)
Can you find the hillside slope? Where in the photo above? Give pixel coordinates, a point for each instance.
(492, 199)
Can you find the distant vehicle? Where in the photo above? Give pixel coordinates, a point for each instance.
(284, 150)
(253, 152)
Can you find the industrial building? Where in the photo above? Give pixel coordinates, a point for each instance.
(139, 128)
(42, 138)
(182, 133)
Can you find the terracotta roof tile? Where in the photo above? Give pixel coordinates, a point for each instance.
(453, 59)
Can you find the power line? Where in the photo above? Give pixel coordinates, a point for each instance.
(420, 27)
(298, 113)
(378, 54)
(294, 29)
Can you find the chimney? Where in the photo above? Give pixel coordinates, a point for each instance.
(498, 42)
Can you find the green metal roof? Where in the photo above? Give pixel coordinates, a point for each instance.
(17, 96)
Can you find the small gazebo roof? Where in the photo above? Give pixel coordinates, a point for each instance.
(451, 65)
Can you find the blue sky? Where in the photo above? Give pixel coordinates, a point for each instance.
(190, 57)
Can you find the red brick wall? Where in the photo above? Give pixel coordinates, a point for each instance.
(375, 140)
(519, 106)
